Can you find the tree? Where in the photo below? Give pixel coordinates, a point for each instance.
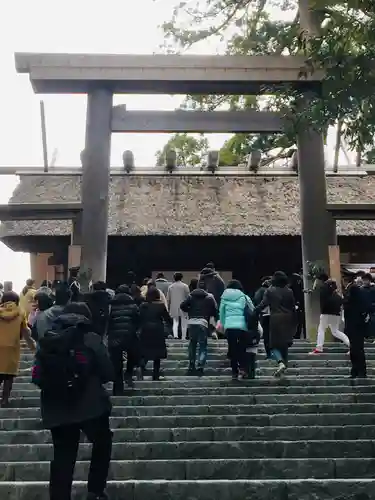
(190, 150)
(345, 49)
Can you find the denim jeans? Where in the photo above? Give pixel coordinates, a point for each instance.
(280, 355)
(198, 335)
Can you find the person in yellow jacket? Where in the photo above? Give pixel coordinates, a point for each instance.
(13, 328)
(27, 297)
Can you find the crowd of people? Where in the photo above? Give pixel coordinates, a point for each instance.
(82, 340)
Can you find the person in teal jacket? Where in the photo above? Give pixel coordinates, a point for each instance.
(233, 321)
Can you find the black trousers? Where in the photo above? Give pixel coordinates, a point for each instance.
(117, 357)
(65, 448)
(357, 355)
(156, 368)
(236, 349)
(301, 325)
(265, 322)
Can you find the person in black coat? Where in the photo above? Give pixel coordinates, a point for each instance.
(356, 312)
(368, 291)
(296, 285)
(264, 315)
(280, 299)
(213, 282)
(200, 307)
(122, 337)
(98, 300)
(153, 317)
(90, 413)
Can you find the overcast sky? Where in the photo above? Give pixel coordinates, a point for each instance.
(113, 26)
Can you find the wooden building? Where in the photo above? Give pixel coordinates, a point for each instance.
(248, 225)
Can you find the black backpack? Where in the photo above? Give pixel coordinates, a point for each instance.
(62, 365)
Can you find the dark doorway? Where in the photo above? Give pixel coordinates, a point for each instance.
(249, 258)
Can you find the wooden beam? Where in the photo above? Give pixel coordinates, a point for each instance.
(352, 211)
(164, 73)
(196, 121)
(39, 211)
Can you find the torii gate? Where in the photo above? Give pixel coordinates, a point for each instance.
(101, 76)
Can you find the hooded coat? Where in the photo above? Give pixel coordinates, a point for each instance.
(98, 302)
(200, 305)
(283, 320)
(94, 401)
(153, 317)
(123, 322)
(214, 283)
(232, 307)
(12, 322)
(45, 319)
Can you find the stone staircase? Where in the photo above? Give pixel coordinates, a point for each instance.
(310, 435)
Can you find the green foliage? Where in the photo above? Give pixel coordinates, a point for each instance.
(345, 49)
(190, 150)
(316, 269)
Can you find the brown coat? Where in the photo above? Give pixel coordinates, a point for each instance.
(282, 316)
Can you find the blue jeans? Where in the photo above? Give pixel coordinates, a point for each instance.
(280, 355)
(197, 338)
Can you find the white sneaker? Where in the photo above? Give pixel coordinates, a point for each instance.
(280, 370)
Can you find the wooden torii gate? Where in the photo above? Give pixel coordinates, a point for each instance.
(101, 76)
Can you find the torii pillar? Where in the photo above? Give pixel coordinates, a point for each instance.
(95, 185)
(316, 226)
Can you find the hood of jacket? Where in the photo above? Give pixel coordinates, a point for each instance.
(54, 312)
(70, 320)
(208, 273)
(232, 295)
(9, 311)
(99, 295)
(161, 280)
(122, 298)
(199, 293)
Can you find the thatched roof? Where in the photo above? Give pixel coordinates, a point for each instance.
(187, 205)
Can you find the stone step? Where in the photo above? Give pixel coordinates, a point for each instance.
(201, 450)
(220, 382)
(214, 347)
(222, 354)
(183, 364)
(206, 410)
(214, 469)
(309, 489)
(193, 421)
(32, 393)
(292, 433)
(268, 371)
(133, 399)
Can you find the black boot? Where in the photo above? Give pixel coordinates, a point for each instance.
(252, 364)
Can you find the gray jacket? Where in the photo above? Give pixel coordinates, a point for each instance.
(163, 285)
(95, 400)
(177, 293)
(45, 319)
